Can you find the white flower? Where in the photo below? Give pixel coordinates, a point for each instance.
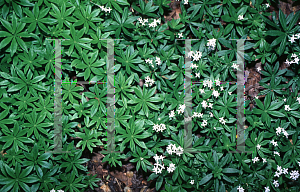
(241, 189)
(196, 58)
(299, 163)
(180, 35)
(277, 174)
(201, 91)
(172, 114)
(294, 55)
(235, 66)
(296, 60)
(210, 105)
(229, 93)
(148, 61)
(292, 40)
(218, 82)
(258, 69)
(60, 190)
(267, 189)
(285, 171)
(158, 61)
(274, 143)
(108, 10)
(52, 190)
(156, 127)
(298, 99)
(276, 183)
(153, 24)
(201, 115)
(216, 94)
(258, 146)
(276, 153)
(255, 159)
(145, 20)
(241, 17)
(179, 151)
(284, 99)
(268, 5)
(287, 107)
(186, 2)
(256, 97)
(204, 123)
(190, 54)
(278, 130)
(192, 182)
(222, 88)
(212, 42)
(204, 104)
(198, 74)
(140, 19)
(264, 160)
(209, 83)
(171, 168)
(194, 66)
(285, 133)
(182, 107)
(211, 114)
(294, 175)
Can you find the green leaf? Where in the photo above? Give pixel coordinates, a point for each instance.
(230, 170)
(282, 20)
(205, 179)
(276, 113)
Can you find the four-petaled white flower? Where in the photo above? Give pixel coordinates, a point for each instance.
(267, 5)
(211, 114)
(186, 2)
(222, 88)
(241, 189)
(258, 69)
(277, 174)
(180, 35)
(192, 182)
(235, 66)
(285, 171)
(201, 91)
(229, 93)
(274, 143)
(210, 105)
(264, 160)
(292, 40)
(194, 66)
(258, 146)
(198, 74)
(276, 153)
(275, 183)
(287, 107)
(221, 120)
(267, 189)
(255, 159)
(204, 123)
(241, 17)
(52, 190)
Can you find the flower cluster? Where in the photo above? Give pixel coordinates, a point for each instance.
(274, 143)
(103, 8)
(171, 168)
(181, 108)
(255, 159)
(143, 21)
(173, 149)
(196, 56)
(212, 43)
(292, 40)
(294, 175)
(208, 83)
(296, 60)
(150, 81)
(160, 127)
(281, 130)
(157, 166)
(154, 23)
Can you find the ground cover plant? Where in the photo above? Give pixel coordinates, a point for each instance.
(150, 78)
